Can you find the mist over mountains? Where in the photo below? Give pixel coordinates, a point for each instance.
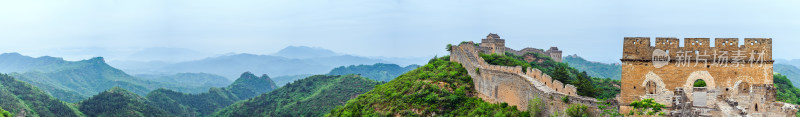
(292, 60)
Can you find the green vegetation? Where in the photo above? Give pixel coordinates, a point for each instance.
(577, 110)
(536, 107)
(699, 83)
(440, 88)
(607, 109)
(118, 102)
(594, 69)
(4, 113)
(246, 86)
(585, 84)
(18, 96)
(606, 87)
(646, 106)
(312, 96)
(377, 71)
(786, 92)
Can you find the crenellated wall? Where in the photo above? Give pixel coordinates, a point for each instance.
(512, 85)
(639, 48)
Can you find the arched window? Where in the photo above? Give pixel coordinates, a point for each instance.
(650, 87)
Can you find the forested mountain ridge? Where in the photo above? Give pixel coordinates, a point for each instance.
(790, 71)
(21, 98)
(15, 62)
(203, 104)
(118, 102)
(312, 96)
(378, 71)
(595, 69)
(73, 81)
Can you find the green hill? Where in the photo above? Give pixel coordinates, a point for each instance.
(312, 96)
(24, 99)
(439, 88)
(118, 102)
(203, 104)
(595, 69)
(377, 71)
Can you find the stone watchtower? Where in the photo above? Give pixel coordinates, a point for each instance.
(738, 78)
(554, 53)
(494, 43)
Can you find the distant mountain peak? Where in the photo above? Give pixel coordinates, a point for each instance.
(98, 59)
(248, 75)
(303, 52)
(250, 85)
(11, 54)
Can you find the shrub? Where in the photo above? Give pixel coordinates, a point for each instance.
(648, 106)
(565, 99)
(535, 107)
(577, 110)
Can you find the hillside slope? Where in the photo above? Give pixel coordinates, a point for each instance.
(312, 96)
(439, 88)
(21, 98)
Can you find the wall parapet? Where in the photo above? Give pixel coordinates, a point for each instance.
(640, 49)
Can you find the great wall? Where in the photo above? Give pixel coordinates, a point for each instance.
(512, 85)
(742, 89)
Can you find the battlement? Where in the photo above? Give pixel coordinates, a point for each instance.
(640, 49)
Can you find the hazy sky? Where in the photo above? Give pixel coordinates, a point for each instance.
(594, 29)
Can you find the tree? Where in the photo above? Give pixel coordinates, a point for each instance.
(699, 83)
(4, 113)
(449, 47)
